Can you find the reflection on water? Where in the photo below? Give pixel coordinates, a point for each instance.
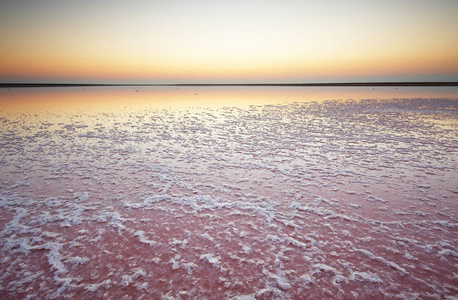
(274, 193)
(106, 98)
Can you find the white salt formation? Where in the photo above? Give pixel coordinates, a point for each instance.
(339, 200)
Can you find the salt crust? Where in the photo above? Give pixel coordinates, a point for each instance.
(344, 153)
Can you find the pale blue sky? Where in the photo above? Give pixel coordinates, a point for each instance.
(184, 41)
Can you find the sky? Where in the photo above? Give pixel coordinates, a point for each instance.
(238, 41)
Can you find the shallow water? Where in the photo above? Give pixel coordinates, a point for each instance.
(235, 193)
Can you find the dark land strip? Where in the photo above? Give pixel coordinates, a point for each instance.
(332, 84)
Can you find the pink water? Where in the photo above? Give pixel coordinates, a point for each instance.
(305, 200)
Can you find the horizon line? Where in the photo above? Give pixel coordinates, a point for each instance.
(318, 84)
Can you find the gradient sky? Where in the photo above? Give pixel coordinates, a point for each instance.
(228, 41)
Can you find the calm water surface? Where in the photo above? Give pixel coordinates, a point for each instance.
(239, 193)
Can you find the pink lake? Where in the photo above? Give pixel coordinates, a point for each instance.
(236, 193)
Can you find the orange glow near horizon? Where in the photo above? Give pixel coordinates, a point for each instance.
(207, 42)
(289, 69)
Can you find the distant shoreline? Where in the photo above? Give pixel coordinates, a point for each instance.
(332, 84)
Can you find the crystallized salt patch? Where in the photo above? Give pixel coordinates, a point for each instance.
(296, 200)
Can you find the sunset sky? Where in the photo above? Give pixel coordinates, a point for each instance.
(216, 41)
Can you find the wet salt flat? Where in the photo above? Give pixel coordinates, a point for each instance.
(337, 199)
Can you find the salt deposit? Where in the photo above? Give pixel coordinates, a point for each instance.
(334, 199)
